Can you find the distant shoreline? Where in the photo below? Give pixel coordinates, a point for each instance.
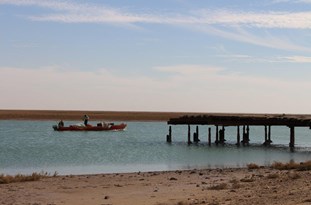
(94, 115)
(115, 115)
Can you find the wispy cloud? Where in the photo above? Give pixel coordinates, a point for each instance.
(230, 24)
(242, 35)
(189, 69)
(304, 1)
(271, 59)
(291, 1)
(72, 12)
(296, 59)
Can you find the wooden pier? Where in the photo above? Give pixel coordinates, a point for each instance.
(244, 121)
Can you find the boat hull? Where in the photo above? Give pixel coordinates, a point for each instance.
(118, 127)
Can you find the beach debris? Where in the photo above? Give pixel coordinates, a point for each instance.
(218, 186)
(248, 179)
(273, 176)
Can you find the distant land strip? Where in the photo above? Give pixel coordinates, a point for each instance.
(94, 115)
(120, 115)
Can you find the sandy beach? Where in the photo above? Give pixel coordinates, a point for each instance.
(218, 186)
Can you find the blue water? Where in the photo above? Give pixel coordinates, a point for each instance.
(33, 146)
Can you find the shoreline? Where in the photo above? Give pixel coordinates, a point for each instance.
(119, 115)
(198, 186)
(94, 115)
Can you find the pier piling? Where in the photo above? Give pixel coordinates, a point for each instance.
(209, 137)
(222, 135)
(217, 138)
(245, 120)
(169, 136)
(266, 136)
(238, 136)
(292, 137)
(244, 136)
(189, 135)
(196, 135)
(269, 135)
(247, 135)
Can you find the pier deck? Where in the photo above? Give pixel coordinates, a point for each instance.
(244, 120)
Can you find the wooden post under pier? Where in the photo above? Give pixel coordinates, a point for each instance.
(238, 136)
(209, 137)
(266, 136)
(196, 135)
(222, 135)
(169, 136)
(292, 137)
(269, 135)
(189, 135)
(247, 134)
(217, 135)
(244, 136)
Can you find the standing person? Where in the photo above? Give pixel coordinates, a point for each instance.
(85, 119)
(61, 123)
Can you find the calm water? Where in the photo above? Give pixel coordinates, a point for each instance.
(28, 146)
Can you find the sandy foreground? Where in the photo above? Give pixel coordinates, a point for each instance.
(217, 186)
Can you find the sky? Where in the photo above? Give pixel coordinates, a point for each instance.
(158, 55)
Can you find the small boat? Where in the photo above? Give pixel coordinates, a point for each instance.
(98, 127)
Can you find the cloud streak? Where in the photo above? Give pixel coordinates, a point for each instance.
(227, 24)
(296, 59)
(70, 12)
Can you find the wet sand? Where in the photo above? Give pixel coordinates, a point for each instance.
(218, 186)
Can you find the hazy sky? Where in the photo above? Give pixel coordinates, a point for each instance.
(156, 55)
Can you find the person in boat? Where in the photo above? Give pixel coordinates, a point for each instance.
(61, 123)
(86, 119)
